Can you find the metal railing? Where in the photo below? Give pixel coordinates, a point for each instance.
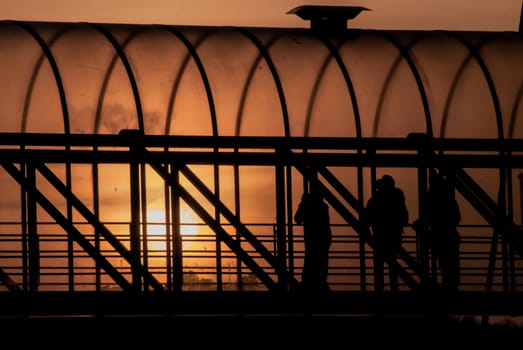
(78, 250)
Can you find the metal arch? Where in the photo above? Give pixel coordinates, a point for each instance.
(346, 76)
(214, 122)
(274, 72)
(174, 89)
(504, 185)
(128, 70)
(357, 120)
(515, 108)
(488, 78)
(283, 212)
(105, 82)
(237, 129)
(102, 90)
(65, 114)
(246, 86)
(141, 126)
(348, 81)
(415, 72)
(99, 105)
(388, 79)
(203, 75)
(517, 100)
(452, 89)
(126, 42)
(32, 81)
(54, 67)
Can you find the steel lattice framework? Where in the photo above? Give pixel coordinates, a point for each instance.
(171, 159)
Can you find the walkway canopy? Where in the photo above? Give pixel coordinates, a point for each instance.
(101, 78)
(110, 214)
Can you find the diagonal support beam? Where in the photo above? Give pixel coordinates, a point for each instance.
(68, 227)
(209, 220)
(8, 281)
(91, 218)
(488, 208)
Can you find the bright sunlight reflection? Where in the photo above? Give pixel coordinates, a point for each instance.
(157, 228)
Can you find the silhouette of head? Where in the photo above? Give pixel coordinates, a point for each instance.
(315, 192)
(387, 181)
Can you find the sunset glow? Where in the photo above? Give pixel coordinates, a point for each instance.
(384, 14)
(156, 228)
(173, 146)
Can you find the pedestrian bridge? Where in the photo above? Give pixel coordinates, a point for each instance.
(156, 169)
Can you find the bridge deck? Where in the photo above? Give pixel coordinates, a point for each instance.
(259, 303)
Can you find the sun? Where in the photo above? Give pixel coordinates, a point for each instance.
(157, 228)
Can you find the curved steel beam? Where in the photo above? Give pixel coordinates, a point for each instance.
(128, 69)
(503, 185)
(334, 52)
(248, 81)
(105, 83)
(452, 89)
(274, 72)
(404, 51)
(515, 108)
(32, 81)
(488, 77)
(203, 74)
(177, 81)
(56, 73)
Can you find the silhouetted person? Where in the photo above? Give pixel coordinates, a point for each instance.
(313, 213)
(386, 213)
(443, 218)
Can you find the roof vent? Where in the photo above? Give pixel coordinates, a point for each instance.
(327, 18)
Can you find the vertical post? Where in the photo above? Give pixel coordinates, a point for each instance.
(281, 243)
(520, 177)
(237, 207)
(502, 213)
(361, 241)
(70, 243)
(135, 222)
(425, 156)
(290, 215)
(32, 234)
(371, 153)
(96, 209)
(168, 239)
(143, 240)
(219, 268)
(421, 240)
(24, 200)
(177, 236)
(136, 149)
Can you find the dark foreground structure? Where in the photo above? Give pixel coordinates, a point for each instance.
(152, 172)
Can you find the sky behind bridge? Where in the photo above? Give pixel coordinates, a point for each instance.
(476, 15)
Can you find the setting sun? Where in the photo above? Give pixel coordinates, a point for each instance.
(157, 228)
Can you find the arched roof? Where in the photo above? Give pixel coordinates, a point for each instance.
(102, 78)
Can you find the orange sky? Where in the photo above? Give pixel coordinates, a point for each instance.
(385, 14)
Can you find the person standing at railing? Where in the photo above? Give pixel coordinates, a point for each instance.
(313, 213)
(442, 220)
(386, 213)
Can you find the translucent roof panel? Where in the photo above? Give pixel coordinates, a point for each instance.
(94, 78)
